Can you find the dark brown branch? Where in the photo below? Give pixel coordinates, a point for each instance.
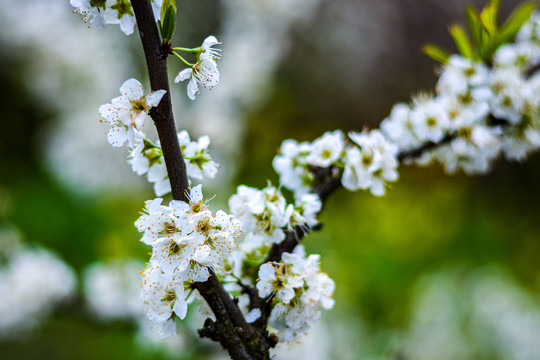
(532, 70)
(230, 328)
(414, 153)
(156, 61)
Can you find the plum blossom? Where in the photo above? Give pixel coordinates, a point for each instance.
(128, 112)
(205, 71)
(371, 164)
(300, 292)
(120, 12)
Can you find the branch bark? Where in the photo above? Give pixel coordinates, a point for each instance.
(156, 62)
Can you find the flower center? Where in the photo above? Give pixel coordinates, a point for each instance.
(123, 7)
(175, 248)
(204, 226)
(169, 228)
(366, 160)
(169, 296)
(138, 105)
(98, 4)
(197, 207)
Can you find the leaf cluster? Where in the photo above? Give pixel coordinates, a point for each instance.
(485, 35)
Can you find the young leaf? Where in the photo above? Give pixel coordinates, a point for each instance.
(436, 53)
(474, 23)
(169, 24)
(515, 21)
(462, 41)
(488, 16)
(496, 5)
(165, 7)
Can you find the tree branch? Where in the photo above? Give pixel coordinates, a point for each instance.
(417, 152)
(156, 62)
(532, 70)
(238, 337)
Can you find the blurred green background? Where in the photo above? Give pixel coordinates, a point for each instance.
(344, 64)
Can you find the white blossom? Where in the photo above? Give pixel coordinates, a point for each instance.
(300, 292)
(326, 149)
(199, 163)
(91, 15)
(128, 112)
(163, 298)
(205, 72)
(371, 164)
(112, 289)
(292, 167)
(119, 12)
(33, 282)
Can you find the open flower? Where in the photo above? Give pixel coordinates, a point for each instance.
(204, 72)
(128, 112)
(208, 51)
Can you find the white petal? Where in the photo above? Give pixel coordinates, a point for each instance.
(109, 112)
(168, 329)
(180, 308)
(132, 88)
(196, 194)
(183, 75)
(209, 42)
(377, 188)
(253, 315)
(162, 187)
(154, 98)
(127, 24)
(192, 88)
(117, 136)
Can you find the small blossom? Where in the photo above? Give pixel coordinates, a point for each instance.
(205, 72)
(327, 149)
(128, 112)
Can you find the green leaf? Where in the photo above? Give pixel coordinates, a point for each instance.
(462, 41)
(474, 23)
(515, 21)
(495, 4)
(436, 53)
(169, 25)
(165, 7)
(488, 17)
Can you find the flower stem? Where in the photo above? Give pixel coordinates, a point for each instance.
(183, 60)
(193, 50)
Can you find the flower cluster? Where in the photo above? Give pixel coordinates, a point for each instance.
(33, 282)
(199, 164)
(479, 111)
(111, 289)
(187, 240)
(371, 164)
(127, 113)
(146, 157)
(205, 71)
(265, 214)
(299, 291)
(368, 161)
(98, 13)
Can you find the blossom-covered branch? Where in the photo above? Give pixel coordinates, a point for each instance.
(230, 328)
(486, 104)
